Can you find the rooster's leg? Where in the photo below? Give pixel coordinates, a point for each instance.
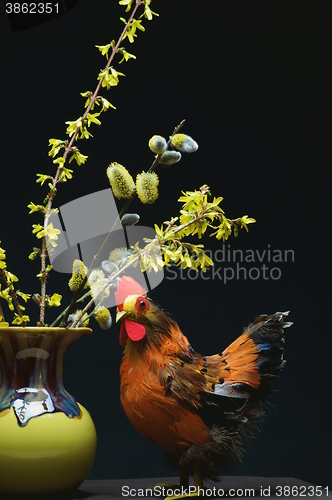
(198, 481)
(184, 483)
(184, 479)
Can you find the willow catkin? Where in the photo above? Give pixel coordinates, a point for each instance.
(170, 157)
(184, 143)
(147, 187)
(158, 144)
(121, 181)
(102, 314)
(79, 273)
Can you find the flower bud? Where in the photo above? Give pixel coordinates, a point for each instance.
(121, 181)
(170, 157)
(130, 219)
(158, 144)
(184, 143)
(147, 187)
(32, 256)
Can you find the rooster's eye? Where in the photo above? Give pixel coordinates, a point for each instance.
(142, 305)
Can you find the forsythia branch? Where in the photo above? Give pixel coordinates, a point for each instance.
(68, 148)
(13, 296)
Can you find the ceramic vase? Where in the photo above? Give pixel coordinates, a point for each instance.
(47, 440)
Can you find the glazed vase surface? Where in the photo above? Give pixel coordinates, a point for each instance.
(47, 440)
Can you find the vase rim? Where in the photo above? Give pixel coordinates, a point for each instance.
(46, 330)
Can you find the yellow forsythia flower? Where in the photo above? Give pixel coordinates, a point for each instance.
(121, 181)
(55, 300)
(20, 320)
(147, 187)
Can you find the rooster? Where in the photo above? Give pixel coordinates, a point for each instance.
(198, 408)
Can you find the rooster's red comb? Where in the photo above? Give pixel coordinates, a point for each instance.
(127, 286)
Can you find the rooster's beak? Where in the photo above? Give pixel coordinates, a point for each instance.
(119, 315)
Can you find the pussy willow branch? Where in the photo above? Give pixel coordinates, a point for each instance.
(98, 255)
(52, 192)
(203, 213)
(113, 277)
(124, 210)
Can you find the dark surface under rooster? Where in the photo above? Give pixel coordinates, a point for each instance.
(251, 81)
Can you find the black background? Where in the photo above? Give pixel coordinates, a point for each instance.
(251, 80)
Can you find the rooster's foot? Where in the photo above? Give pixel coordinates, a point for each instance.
(185, 490)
